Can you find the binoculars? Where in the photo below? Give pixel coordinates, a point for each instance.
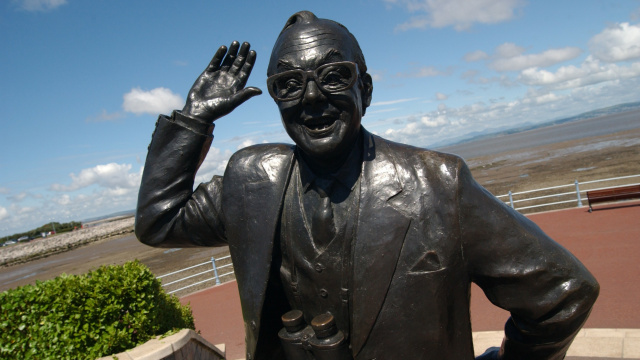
(320, 341)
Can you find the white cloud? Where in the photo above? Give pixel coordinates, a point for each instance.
(476, 56)
(391, 102)
(214, 164)
(40, 5)
(115, 189)
(441, 96)
(539, 104)
(63, 200)
(376, 75)
(4, 190)
(18, 197)
(618, 42)
(473, 77)
(461, 14)
(111, 176)
(470, 75)
(539, 99)
(425, 71)
(382, 111)
(65, 207)
(434, 121)
(510, 57)
(508, 50)
(156, 101)
(590, 72)
(245, 143)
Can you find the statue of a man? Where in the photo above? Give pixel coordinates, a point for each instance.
(385, 237)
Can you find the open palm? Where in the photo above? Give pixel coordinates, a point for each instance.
(221, 86)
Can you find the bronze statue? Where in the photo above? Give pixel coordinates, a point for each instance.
(374, 244)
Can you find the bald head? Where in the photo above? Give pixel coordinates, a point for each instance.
(304, 34)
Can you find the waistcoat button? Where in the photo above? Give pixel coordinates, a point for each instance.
(324, 293)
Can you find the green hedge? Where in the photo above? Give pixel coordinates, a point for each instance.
(106, 311)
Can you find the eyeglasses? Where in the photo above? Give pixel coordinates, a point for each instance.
(330, 78)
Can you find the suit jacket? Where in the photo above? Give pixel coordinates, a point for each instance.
(425, 231)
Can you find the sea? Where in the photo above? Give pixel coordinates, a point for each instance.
(603, 125)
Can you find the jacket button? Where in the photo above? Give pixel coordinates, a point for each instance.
(253, 325)
(319, 267)
(324, 293)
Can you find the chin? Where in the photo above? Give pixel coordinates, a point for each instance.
(320, 148)
(324, 149)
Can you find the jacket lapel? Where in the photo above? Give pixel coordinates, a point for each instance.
(256, 225)
(380, 235)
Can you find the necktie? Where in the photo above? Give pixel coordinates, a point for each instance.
(322, 226)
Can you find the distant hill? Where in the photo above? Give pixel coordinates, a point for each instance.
(506, 130)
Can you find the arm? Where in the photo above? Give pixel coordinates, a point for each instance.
(169, 213)
(547, 290)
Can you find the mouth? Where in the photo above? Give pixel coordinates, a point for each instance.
(320, 126)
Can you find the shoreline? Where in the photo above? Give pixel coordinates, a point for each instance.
(44, 247)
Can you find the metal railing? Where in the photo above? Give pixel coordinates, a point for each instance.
(564, 197)
(192, 277)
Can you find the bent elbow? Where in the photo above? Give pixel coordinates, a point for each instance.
(144, 232)
(592, 290)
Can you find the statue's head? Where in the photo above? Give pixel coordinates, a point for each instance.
(318, 77)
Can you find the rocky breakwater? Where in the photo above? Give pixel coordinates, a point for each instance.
(39, 248)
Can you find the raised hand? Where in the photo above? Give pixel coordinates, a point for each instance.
(221, 86)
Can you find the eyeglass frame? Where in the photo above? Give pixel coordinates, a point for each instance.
(306, 74)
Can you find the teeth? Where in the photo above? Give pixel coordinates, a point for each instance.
(320, 126)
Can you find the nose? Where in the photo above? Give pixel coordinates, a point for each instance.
(312, 94)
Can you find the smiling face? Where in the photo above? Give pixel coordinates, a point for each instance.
(323, 125)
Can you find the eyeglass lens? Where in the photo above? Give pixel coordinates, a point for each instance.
(330, 78)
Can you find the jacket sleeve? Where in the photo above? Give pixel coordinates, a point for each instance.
(548, 292)
(169, 212)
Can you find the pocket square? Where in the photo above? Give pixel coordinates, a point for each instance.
(428, 262)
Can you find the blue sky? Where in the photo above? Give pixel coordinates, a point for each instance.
(82, 82)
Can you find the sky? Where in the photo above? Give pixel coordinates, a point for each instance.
(82, 82)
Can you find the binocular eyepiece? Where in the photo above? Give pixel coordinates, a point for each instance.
(320, 341)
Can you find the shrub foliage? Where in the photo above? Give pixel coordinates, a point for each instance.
(106, 311)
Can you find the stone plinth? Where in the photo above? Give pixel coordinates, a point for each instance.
(185, 345)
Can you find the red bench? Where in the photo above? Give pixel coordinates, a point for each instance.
(612, 194)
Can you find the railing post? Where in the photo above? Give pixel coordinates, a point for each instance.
(511, 199)
(578, 194)
(215, 270)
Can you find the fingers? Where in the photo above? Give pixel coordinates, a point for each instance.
(240, 59)
(217, 58)
(245, 71)
(231, 55)
(237, 62)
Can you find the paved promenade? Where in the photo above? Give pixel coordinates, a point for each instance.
(607, 241)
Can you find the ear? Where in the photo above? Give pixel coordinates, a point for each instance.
(367, 90)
